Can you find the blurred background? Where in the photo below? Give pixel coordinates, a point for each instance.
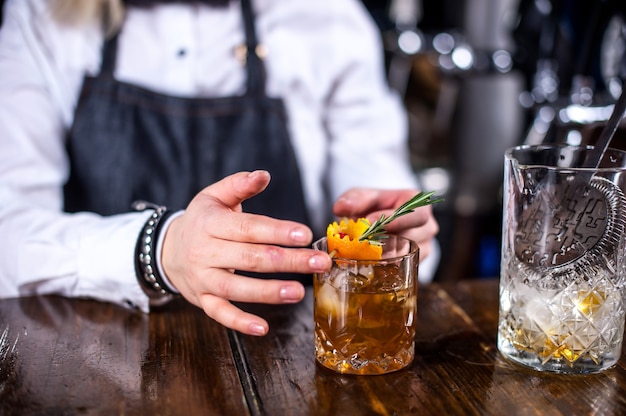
(479, 76)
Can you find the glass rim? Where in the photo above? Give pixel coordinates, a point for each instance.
(414, 249)
(509, 155)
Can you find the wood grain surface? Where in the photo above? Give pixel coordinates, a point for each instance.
(71, 357)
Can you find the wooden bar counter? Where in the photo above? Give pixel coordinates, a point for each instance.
(69, 357)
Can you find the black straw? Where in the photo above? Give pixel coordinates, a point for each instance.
(595, 155)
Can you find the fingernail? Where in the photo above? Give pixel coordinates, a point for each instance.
(257, 173)
(291, 293)
(318, 263)
(344, 200)
(299, 236)
(257, 329)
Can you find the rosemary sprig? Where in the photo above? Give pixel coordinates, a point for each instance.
(377, 232)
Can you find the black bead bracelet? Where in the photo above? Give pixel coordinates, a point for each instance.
(145, 251)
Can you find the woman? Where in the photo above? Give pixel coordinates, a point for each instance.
(245, 120)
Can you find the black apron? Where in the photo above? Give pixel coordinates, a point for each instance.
(128, 143)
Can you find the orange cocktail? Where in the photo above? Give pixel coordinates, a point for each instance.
(365, 310)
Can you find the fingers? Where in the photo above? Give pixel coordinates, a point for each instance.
(425, 249)
(232, 317)
(258, 229)
(372, 203)
(238, 288)
(215, 300)
(358, 202)
(421, 217)
(219, 213)
(423, 236)
(425, 232)
(236, 188)
(265, 258)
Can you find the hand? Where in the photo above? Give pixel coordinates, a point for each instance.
(204, 246)
(419, 226)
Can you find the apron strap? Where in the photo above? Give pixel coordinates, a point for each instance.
(109, 56)
(254, 65)
(255, 70)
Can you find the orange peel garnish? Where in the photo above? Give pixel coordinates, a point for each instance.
(343, 240)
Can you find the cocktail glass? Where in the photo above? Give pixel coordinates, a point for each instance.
(562, 271)
(365, 310)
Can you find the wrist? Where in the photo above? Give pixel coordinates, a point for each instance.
(165, 223)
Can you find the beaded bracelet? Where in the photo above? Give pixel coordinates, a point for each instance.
(145, 256)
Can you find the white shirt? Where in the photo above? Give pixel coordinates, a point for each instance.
(324, 59)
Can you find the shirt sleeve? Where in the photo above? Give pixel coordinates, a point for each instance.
(42, 249)
(366, 121)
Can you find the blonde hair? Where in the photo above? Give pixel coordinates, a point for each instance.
(78, 12)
